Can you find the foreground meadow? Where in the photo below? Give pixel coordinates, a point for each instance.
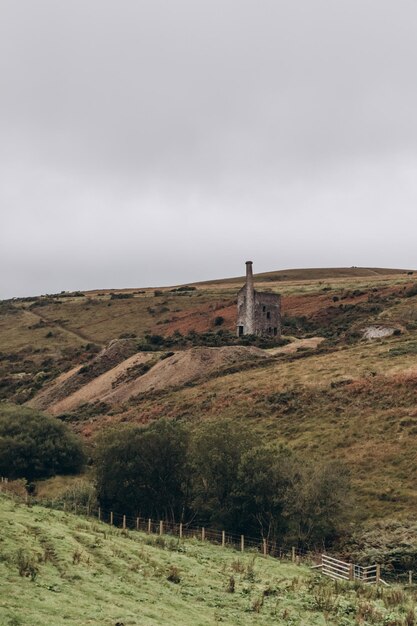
(59, 569)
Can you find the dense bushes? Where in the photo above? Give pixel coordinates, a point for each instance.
(389, 542)
(220, 476)
(209, 339)
(121, 296)
(185, 288)
(411, 292)
(34, 446)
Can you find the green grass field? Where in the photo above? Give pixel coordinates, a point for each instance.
(76, 571)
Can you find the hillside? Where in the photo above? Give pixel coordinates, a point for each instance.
(329, 393)
(76, 571)
(315, 273)
(140, 373)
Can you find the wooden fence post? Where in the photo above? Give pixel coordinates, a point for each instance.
(264, 547)
(181, 530)
(137, 523)
(351, 571)
(410, 577)
(242, 543)
(88, 510)
(161, 527)
(293, 554)
(124, 522)
(99, 514)
(203, 534)
(223, 538)
(149, 525)
(111, 518)
(378, 573)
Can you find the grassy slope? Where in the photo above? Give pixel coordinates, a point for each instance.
(89, 573)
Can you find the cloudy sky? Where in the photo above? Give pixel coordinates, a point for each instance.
(152, 142)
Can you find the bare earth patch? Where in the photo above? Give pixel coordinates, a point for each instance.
(126, 380)
(377, 332)
(99, 388)
(298, 344)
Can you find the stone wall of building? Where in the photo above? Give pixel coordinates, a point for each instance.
(258, 313)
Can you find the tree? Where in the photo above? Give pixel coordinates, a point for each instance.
(264, 479)
(321, 501)
(142, 470)
(33, 445)
(217, 448)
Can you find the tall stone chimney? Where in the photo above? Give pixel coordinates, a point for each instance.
(250, 300)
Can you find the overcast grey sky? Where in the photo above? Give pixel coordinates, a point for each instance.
(151, 142)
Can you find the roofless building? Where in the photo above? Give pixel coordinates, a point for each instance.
(258, 313)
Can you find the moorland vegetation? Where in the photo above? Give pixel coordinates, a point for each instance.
(341, 398)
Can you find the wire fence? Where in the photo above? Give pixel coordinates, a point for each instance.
(264, 546)
(180, 530)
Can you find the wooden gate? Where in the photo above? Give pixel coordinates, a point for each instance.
(341, 570)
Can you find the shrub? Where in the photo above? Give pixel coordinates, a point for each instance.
(7, 308)
(411, 292)
(18, 488)
(174, 575)
(33, 445)
(257, 604)
(156, 340)
(120, 296)
(26, 564)
(80, 494)
(166, 355)
(219, 320)
(184, 288)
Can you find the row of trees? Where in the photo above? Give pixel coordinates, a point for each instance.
(214, 473)
(218, 475)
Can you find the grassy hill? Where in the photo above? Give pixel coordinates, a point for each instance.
(316, 273)
(340, 396)
(59, 569)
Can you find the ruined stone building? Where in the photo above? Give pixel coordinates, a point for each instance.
(258, 313)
